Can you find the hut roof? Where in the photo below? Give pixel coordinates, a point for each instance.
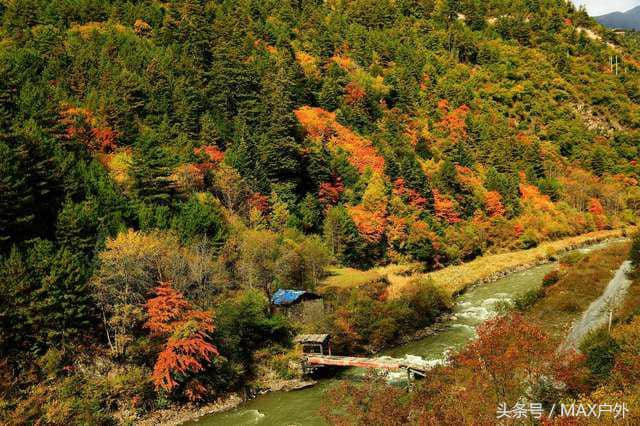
(311, 338)
(284, 297)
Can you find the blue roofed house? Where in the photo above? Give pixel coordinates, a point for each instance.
(303, 306)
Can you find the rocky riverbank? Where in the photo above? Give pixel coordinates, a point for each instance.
(423, 333)
(186, 413)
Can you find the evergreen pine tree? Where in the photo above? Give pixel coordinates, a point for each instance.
(200, 219)
(279, 152)
(461, 155)
(8, 91)
(77, 228)
(310, 213)
(508, 188)
(233, 85)
(343, 239)
(194, 32)
(16, 287)
(535, 162)
(63, 303)
(30, 191)
(598, 162)
(332, 89)
(476, 15)
(16, 198)
(151, 170)
(317, 167)
(448, 178)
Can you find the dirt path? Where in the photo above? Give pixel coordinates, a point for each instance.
(597, 314)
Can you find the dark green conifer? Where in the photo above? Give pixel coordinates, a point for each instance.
(150, 171)
(598, 162)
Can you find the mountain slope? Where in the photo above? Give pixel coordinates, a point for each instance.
(160, 159)
(476, 111)
(629, 20)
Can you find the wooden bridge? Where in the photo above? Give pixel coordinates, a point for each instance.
(311, 362)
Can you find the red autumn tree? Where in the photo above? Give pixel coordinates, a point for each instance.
(509, 355)
(411, 196)
(329, 192)
(187, 349)
(354, 93)
(210, 154)
(81, 125)
(259, 202)
(595, 208)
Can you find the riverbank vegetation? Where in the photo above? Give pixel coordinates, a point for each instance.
(454, 279)
(581, 278)
(515, 359)
(365, 319)
(167, 166)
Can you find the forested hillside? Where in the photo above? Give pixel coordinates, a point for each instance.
(166, 166)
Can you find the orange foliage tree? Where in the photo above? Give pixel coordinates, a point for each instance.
(453, 121)
(445, 209)
(371, 225)
(322, 126)
(531, 194)
(494, 204)
(187, 349)
(595, 208)
(507, 356)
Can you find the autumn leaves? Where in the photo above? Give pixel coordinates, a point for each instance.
(185, 333)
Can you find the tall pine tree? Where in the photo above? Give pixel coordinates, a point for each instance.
(151, 170)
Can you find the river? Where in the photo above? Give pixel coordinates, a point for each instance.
(472, 308)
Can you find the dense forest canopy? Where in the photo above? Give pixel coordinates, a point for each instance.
(161, 158)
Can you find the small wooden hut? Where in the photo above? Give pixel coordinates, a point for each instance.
(314, 344)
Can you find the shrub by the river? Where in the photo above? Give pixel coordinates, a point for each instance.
(570, 306)
(524, 302)
(600, 349)
(551, 278)
(572, 258)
